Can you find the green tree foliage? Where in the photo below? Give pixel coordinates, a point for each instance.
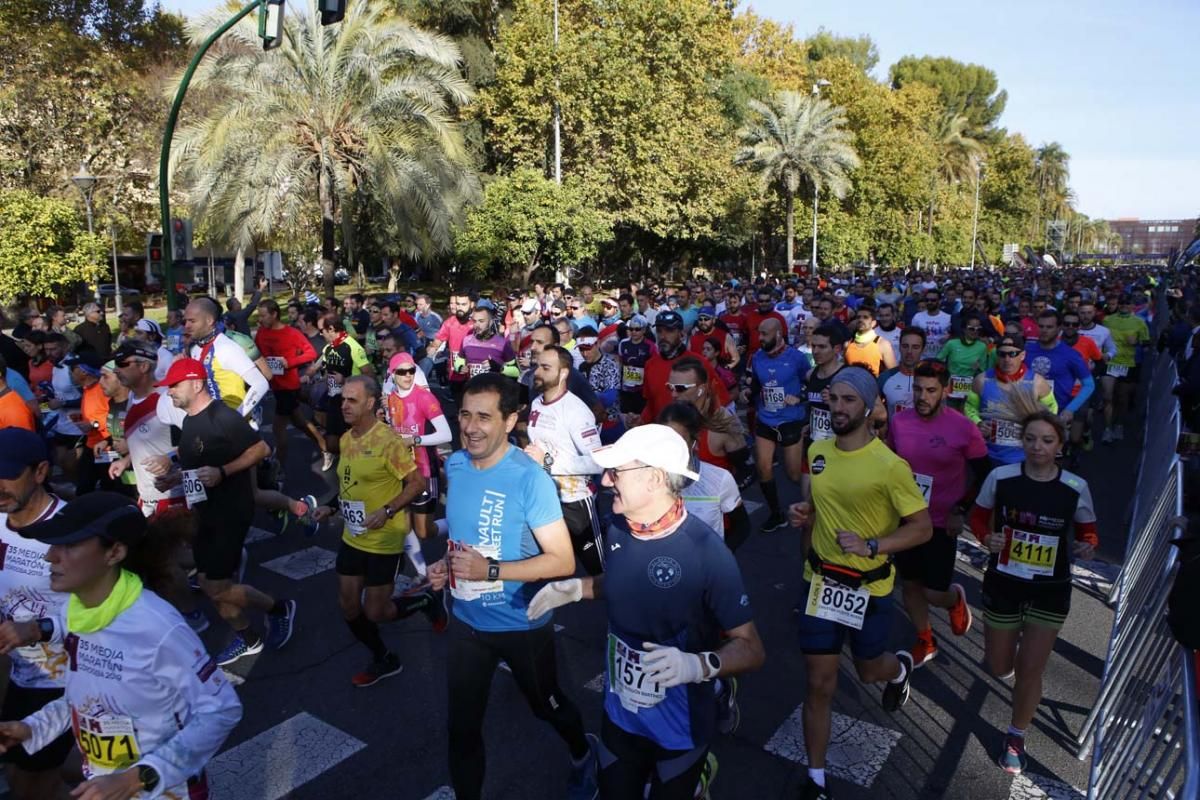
(526, 222)
(795, 143)
(362, 115)
(858, 50)
(964, 89)
(1051, 174)
(44, 246)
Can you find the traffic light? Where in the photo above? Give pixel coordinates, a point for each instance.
(270, 24)
(181, 240)
(331, 11)
(154, 253)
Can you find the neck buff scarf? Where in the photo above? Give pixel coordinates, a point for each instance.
(81, 619)
(648, 530)
(206, 358)
(1012, 378)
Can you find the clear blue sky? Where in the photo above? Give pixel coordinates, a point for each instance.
(1114, 81)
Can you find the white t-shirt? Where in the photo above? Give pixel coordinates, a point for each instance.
(141, 690)
(937, 331)
(1102, 336)
(24, 595)
(897, 388)
(712, 496)
(148, 433)
(566, 430)
(893, 338)
(67, 421)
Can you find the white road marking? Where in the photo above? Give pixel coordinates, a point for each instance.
(257, 535)
(303, 563)
(233, 677)
(442, 793)
(559, 628)
(1038, 787)
(280, 760)
(596, 684)
(857, 749)
(752, 506)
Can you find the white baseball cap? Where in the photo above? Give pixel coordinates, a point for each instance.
(653, 445)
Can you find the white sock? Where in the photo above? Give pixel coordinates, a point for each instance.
(412, 548)
(903, 672)
(818, 776)
(442, 528)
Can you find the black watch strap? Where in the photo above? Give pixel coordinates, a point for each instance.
(148, 776)
(493, 569)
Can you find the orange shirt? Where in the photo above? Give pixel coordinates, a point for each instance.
(15, 412)
(1086, 347)
(94, 409)
(869, 355)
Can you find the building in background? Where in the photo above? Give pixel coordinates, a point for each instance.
(1146, 236)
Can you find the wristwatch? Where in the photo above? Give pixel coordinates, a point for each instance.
(417, 440)
(493, 569)
(148, 776)
(45, 629)
(389, 511)
(712, 663)
(873, 547)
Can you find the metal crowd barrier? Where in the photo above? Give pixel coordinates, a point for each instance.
(1143, 731)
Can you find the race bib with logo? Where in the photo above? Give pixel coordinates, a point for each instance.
(829, 600)
(331, 384)
(478, 368)
(632, 377)
(461, 589)
(1006, 433)
(193, 490)
(960, 385)
(354, 512)
(820, 424)
(773, 398)
(1027, 555)
(108, 744)
(276, 364)
(925, 484)
(627, 677)
(1118, 370)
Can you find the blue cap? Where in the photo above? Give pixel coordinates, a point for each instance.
(19, 449)
(669, 319)
(707, 311)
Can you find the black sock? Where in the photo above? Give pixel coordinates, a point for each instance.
(768, 490)
(367, 632)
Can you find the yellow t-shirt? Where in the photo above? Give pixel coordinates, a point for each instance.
(371, 472)
(866, 491)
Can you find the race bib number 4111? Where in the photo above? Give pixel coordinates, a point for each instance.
(1027, 555)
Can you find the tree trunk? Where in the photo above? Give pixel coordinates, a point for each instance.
(239, 275)
(328, 222)
(791, 231)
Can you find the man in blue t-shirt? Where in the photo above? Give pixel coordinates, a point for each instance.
(507, 536)
(1060, 364)
(672, 588)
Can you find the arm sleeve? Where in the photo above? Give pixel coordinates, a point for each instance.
(1049, 401)
(737, 527)
(1110, 345)
(971, 408)
(441, 432)
(1087, 385)
(213, 705)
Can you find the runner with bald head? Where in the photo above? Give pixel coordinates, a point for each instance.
(233, 377)
(777, 376)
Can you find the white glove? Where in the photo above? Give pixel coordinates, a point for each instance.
(670, 666)
(553, 595)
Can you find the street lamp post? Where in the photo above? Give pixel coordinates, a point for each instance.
(85, 182)
(975, 224)
(816, 92)
(557, 109)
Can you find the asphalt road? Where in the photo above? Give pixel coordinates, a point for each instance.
(308, 734)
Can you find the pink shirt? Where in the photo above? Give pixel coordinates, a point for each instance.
(937, 450)
(452, 333)
(409, 415)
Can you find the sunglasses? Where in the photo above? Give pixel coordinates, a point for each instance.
(613, 472)
(680, 388)
(405, 371)
(1008, 353)
(973, 329)
(635, 327)
(1074, 324)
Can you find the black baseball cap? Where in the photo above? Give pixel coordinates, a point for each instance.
(669, 319)
(20, 449)
(135, 347)
(109, 515)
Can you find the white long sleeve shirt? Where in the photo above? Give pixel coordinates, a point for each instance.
(1102, 336)
(566, 429)
(25, 595)
(141, 691)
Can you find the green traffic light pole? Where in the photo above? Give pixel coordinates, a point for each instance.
(164, 197)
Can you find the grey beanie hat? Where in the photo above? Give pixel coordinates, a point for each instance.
(861, 381)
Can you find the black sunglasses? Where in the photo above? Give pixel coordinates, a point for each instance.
(405, 371)
(1008, 353)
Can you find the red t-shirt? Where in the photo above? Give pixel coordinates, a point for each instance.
(753, 320)
(696, 343)
(737, 325)
(654, 384)
(292, 346)
(452, 333)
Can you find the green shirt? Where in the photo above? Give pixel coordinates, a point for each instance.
(965, 360)
(1128, 331)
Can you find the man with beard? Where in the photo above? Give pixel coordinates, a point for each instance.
(38, 671)
(669, 329)
(562, 437)
(765, 309)
(864, 506)
(868, 349)
(706, 328)
(939, 443)
(1061, 365)
(777, 376)
(966, 355)
(734, 320)
(935, 322)
(896, 385)
(886, 327)
(484, 349)
(450, 336)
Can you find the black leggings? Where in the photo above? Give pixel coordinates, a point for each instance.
(628, 761)
(586, 538)
(471, 662)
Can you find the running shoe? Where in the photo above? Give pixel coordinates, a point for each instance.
(925, 649)
(729, 715)
(960, 612)
(774, 523)
(1012, 758)
(896, 694)
(327, 462)
(238, 648)
(378, 670)
(281, 625)
(581, 785)
(708, 773)
(311, 526)
(196, 620)
(814, 791)
(193, 580)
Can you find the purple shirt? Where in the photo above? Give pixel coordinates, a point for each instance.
(937, 449)
(479, 353)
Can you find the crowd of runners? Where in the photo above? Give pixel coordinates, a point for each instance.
(531, 449)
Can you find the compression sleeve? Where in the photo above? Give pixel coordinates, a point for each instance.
(256, 389)
(971, 409)
(737, 527)
(510, 370)
(215, 711)
(1049, 402)
(980, 522)
(441, 432)
(1087, 385)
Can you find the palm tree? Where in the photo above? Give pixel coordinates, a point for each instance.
(958, 155)
(364, 109)
(1051, 173)
(796, 142)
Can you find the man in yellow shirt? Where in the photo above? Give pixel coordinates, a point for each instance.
(377, 478)
(864, 506)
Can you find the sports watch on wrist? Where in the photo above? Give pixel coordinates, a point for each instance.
(148, 777)
(712, 663)
(417, 440)
(45, 629)
(873, 547)
(493, 569)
